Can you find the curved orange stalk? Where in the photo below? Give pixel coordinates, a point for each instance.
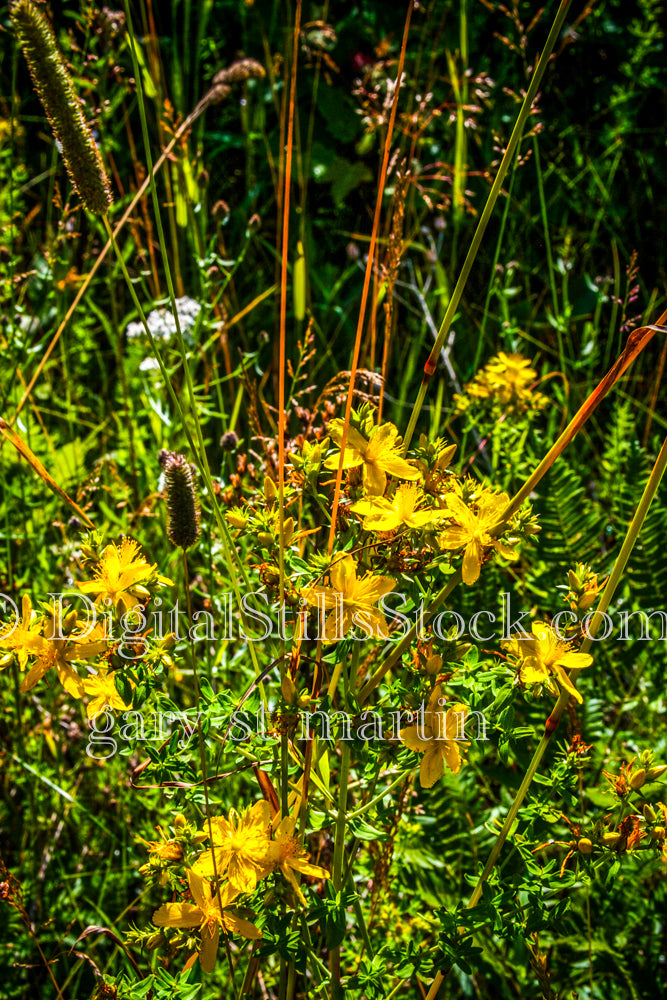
(367, 275)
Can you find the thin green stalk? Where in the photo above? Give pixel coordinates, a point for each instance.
(547, 245)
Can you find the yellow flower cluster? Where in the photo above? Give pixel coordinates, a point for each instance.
(506, 380)
(46, 641)
(244, 849)
(455, 523)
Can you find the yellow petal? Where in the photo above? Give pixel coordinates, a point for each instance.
(422, 517)
(472, 562)
(260, 815)
(243, 927)
(242, 874)
(398, 467)
(533, 671)
(375, 481)
(209, 948)
(567, 684)
(575, 661)
(453, 538)
(343, 575)
(432, 767)
(305, 868)
(177, 915)
(413, 740)
(200, 889)
(452, 756)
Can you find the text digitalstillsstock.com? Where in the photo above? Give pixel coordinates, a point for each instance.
(250, 623)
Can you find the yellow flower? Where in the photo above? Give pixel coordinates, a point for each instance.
(19, 638)
(286, 853)
(472, 530)
(53, 652)
(506, 380)
(435, 737)
(510, 375)
(380, 455)
(120, 575)
(208, 913)
(381, 514)
(545, 656)
(101, 689)
(239, 847)
(354, 597)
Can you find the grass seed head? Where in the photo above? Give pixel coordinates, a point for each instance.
(56, 92)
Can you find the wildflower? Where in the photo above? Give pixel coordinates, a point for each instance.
(583, 587)
(101, 689)
(505, 380)
(162, 324)
(57, 653)
(18, 639)
(239, 846)
(381, 514)
(433, 737)
(545, 656)
(352, 600)
(472, 530)
(380, 455)
(120, 575)
(510, 375)
(286, 853)
(208, 913)
(163, 850)
(627, 780)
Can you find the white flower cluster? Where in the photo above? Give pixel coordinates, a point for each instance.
(162, 324)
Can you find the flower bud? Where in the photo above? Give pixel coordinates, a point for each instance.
(610, 839)
(69, 622)
(585, 846)
(270, 490)
(649, 814)
(288, 689)
(288, 531)
(654, 773)
(658, 833)
(434, 664)
(155, 941)
(586, 600)
(180, 823)
(638, 779)
(236, 519)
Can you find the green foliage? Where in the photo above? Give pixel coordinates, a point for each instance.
(105, 813)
